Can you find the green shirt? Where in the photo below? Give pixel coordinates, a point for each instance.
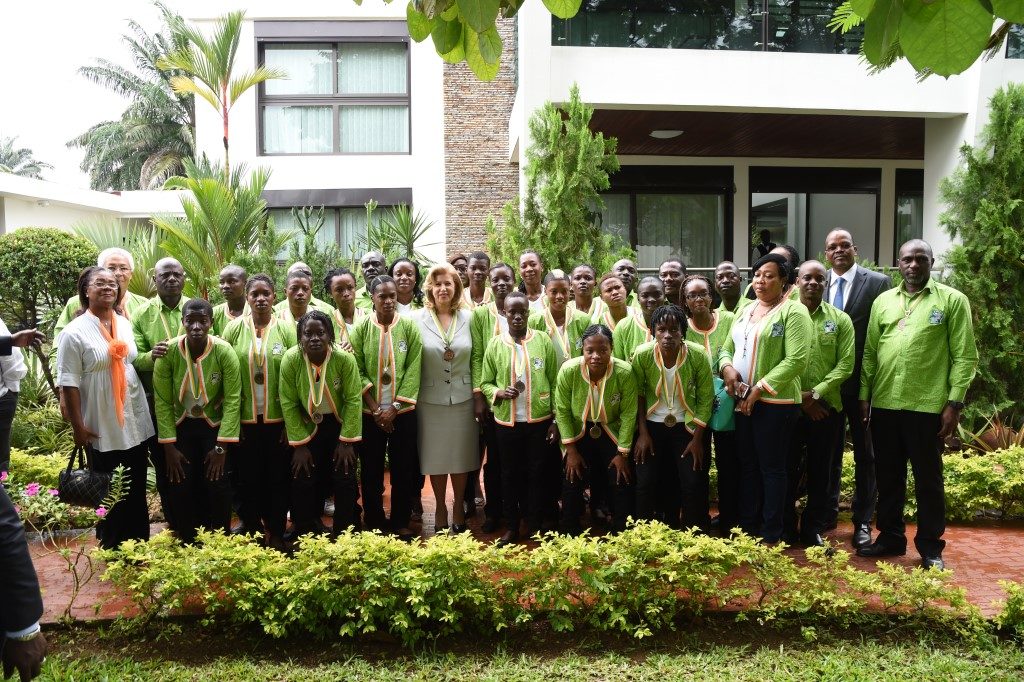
(539, 374)
(342, 392)
(568, 341)
(483, 327)
(573, 410)
(213, 376)
(628, 334)
(277, 338)
(402, 357)
(712, 340)
(779, 343)
(222, 317)
(694, 386)
(830, 361)
(928, 361)
(153, 323)
(363, 299)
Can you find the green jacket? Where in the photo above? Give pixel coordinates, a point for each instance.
(221, 318)
(343, 330)
(220, 384)
(153, 323)
(830, 361)
(343, 392)
(363, 299)
(619, 415)
(540, 378)
(712, 340)
(628, 334)
(930, 361)
(482, 327)
(780, 345)
(694, 386)
(569, 346)
(279, 338)
(407, 349)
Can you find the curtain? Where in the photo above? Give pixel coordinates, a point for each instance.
(686, 226)
(366, 128)
(308, 67)
(325, 236)
(372, 68)
(615, 216)
(297, 130)
(353, 229)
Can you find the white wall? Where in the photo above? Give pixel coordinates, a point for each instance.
(20, 213)
(422, 169)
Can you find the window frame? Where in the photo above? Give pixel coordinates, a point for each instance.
(335, 101)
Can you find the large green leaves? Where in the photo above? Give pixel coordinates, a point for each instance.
(482, 55)
(944, 36)
(1011, 10)
(883, 30)
(479, 15)
(420, 25)
(447, 35)
(563, 9)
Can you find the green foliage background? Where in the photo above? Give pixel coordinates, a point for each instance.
(985, 216)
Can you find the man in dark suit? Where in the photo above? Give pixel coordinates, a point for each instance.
(21, 605)
(853, 289)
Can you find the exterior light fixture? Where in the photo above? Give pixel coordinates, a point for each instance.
(665, 134)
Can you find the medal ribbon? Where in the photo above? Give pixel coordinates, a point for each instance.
(556, 333)
(524, 370)
(446, 336)
(167, 327)
(316, 386)
(343, 326)
(194, 379)
(258, 359)
(670, 393)
(588, 409)
(384, 364)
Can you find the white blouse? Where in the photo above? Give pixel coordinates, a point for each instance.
(83, 362)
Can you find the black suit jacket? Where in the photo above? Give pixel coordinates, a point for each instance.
(20, 602)
(867, 285)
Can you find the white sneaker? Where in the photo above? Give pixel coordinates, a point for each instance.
(329, 507)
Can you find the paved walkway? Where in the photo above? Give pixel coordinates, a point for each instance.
(980, 557)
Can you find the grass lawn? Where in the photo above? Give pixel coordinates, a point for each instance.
(713, 650)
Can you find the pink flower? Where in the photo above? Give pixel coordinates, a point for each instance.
(3, 476)
(32, 489)
(101, 512)
(17, 509)
(53, 492)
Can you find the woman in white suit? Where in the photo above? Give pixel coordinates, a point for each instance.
(448, 431)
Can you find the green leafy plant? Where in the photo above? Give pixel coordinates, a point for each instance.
(985, 219)
(943, 37)
(270, 241)
(42, 430)
(33, 296)
(567, 166)
(1011, 617)
(43, 469)
(139, 239)
(318, 255)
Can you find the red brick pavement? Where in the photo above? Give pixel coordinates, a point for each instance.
(980, 557)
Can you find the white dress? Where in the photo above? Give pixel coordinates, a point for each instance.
(83, 362)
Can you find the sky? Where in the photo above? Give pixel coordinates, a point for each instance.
(44, 102)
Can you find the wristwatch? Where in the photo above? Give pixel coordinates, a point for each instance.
(815, 395)
(27, 638)
(397, 405)
(956, 405)
(217, 449)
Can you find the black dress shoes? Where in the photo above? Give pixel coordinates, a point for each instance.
(861, 536)
(812, 540)
(509, 538)
(930, 562)
(877, 549)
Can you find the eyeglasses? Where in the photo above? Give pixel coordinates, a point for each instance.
(697, 297)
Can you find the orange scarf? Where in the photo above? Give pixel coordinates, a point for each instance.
(118, 351)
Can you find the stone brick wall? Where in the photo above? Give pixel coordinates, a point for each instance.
(478, 176)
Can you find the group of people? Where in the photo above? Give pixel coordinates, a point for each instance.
(574, 392)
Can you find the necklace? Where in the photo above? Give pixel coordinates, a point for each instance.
(752, 324)
(907, 308)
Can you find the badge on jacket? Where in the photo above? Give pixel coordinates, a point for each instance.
(936, 317)
(777, 329)
(830, 327)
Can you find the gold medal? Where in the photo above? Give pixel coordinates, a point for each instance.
(259, 377)
(317, 417)
(670, 420)
(449, 355)
(519, 385)
(197, 410)
(595, 431)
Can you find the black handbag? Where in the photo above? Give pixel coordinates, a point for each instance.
(82, 487)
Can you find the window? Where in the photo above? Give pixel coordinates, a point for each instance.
(344, 226)
(347, 97)
(1015, 42)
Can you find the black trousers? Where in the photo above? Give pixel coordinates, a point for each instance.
(597, 456)
(865, 492)
(728, 465)
(811, 456)
(129, 518)
(8, 405)
(195, 501)
(400, 446)
(263, 462)
(156, 458)
(308, 491)
(900, 436)
(763, 441)
(523, 484)
(493, 504)
(666, 481)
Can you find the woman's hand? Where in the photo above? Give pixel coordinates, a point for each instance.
(747, 405)
(574, 464)
(731, 378)
(621, 466)
(479, 407)
(345, 458)
(175, 461)
(302, 462)
(83, 436)
(215, 464)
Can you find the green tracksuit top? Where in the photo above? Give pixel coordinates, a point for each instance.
(277, 338)
(539, 375)
(401, 358)
(213, 377)
(339, 387)
(574, 412)
(568, 341)
(830, 360)
(694, 387)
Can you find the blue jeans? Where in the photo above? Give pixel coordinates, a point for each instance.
(762, 443)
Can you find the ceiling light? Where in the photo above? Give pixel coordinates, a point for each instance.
(665, 134)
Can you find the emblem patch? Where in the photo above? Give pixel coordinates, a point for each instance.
(830, 327)
(336, 383)
(278, 349)
(936, 317)
(616, 398)
(538, 363)
(215, 378)
(403, 347)
(777, 329)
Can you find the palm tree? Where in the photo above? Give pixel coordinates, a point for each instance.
(208, 63)
(156, 133)
(20, 161)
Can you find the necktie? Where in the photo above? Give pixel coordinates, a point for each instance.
(838, 300)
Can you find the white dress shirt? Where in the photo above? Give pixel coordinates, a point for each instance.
(850, 276)
(12, 367)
